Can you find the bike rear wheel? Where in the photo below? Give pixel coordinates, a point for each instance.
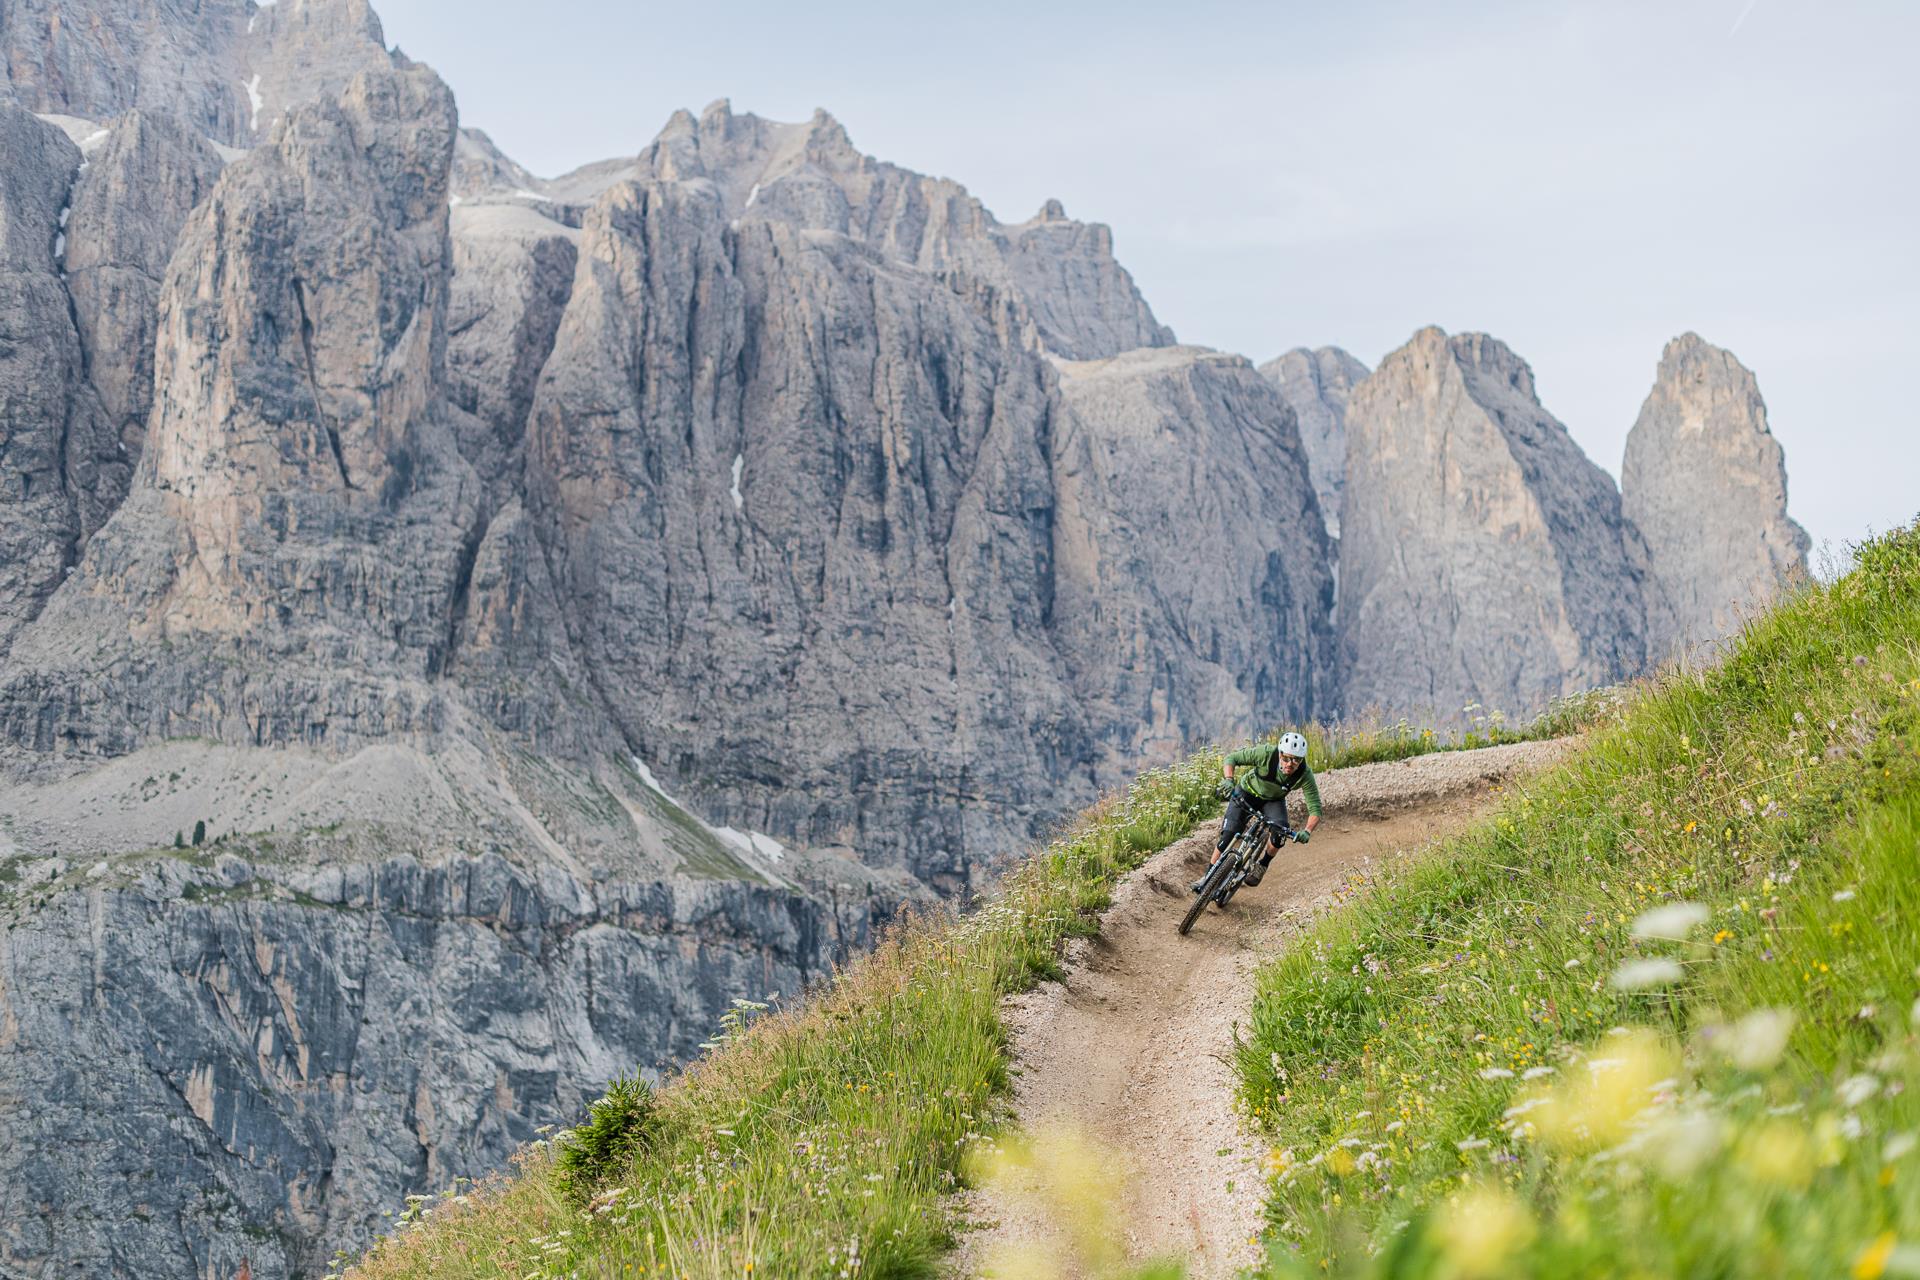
(1215, 878)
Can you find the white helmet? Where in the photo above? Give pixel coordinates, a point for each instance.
(1292, 744)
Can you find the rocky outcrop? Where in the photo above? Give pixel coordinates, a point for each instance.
(1484, 559)
(512, 276)
(142, 178)
(481, 170)
(54, 438)
(1166, 459)
(1705, 483)
(1315, 384)
(302, 519)
(314, 1038)
(1082, 303)
(227, 70)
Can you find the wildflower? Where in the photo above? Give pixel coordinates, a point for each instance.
(1872, 1262)
(1638, 975)
(1855, 1090)
(1778, 1153)
(1481, 1230)
(1496, 1073)
(1756, 1041)
(1845, 895)
(1676, 1146)
(1535, 1073)
(1672, 922)
(1597, 1109)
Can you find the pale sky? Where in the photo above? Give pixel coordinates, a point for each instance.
(1584, 180)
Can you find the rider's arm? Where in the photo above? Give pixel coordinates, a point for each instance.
(1310, 792)
(1245, 755)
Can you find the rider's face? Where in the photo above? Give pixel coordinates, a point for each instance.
(1289, 763)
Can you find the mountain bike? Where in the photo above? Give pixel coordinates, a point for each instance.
(1230, 870)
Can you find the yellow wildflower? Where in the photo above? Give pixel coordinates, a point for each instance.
(1872, 1262)
(1482, 1230)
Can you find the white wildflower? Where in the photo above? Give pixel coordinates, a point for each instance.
(1899, 1146)
(1674, 921)
(1756, 1041)
(1855, 1090)
(1535, 1073)
(1496, 1073)
(1638, 975)
(1680, 1145)
(1845, 895)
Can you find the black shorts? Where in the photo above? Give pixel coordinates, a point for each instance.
(1274, 811)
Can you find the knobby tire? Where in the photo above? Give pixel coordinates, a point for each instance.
(1215, 878)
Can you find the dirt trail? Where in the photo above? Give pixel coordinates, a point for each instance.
(1131, 1051)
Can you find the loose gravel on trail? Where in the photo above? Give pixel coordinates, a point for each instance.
(1130, 1054)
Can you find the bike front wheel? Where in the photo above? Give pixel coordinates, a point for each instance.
(1215, 878)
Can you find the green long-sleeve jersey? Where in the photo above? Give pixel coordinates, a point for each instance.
(1265, 780)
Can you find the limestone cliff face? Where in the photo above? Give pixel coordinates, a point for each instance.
(143, 175)
(227, 70)
(793, 456)
(301, 519)
(1082, 303)
(1705, 483)
(1316, 385)
(250, 1058)
(1193, 585)
(1484, 559)
(54, 437)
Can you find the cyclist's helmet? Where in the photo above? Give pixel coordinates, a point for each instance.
(1292, 744)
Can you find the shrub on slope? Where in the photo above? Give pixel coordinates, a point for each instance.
(1655, 1017)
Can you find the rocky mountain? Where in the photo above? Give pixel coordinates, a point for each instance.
(572, 604)
(1483, 559)
(1316, 384)
(796, 444)
(387, 509)
(1705, 482)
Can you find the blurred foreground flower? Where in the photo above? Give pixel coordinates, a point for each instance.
(1676, 1146)
(1778, 1153)
(1076, 1189)
(1756, 1041)
(1482, 1229)
(1638, 975)
(1597, 1107)
(1672, 922)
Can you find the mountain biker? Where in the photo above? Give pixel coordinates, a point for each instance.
(1273, 770)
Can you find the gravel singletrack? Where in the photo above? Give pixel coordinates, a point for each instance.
(1130, 1055)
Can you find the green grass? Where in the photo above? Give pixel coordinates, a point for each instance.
(1453, 1084)
(838, 1128)
(829, 1131)
(1370, 742)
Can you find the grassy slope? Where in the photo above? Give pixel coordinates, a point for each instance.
(833, 1131)
(1454, 1084)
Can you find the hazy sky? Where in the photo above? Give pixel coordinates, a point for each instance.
(1583, 180)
